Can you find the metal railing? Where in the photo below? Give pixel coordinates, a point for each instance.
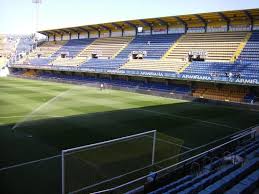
(250, 132)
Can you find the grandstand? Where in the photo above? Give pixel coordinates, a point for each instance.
(219, 46)
(219, 175)
(189, 80)
(210, 47)
(3, 57)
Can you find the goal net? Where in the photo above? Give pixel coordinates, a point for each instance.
(86, 167)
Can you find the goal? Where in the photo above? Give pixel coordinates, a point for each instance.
(87, 167)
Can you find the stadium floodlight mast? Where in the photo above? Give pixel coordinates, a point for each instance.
(37, 6)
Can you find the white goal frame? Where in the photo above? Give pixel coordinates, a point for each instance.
(71, 150)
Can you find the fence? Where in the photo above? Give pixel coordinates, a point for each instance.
(186, 157)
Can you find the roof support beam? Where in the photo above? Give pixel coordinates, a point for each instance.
(130, 24)
(72, 30)
(150, 25)
(250, 17)
(145, 23)
(85, 30)
(133, 26)
(64, 31)
(225, 19)
(95, 29)
(57, 32)
(106, 28)
(203, 21)
(119, 27)
(45, 33)
(182, 22)
(162, 22)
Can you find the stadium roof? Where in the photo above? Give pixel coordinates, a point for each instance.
(203, 18)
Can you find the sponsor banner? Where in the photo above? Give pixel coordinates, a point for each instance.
(223, 79)
(159, 74)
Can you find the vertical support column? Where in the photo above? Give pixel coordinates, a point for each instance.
(110, 33)
(63, 172)
(88, 34)
(122, 31)
(151, 29)
(154, 148)
(70, 36)
(61, 36)
(54, 37)
(228, 26)
(78, 35)
(99, 33)
(167, 29)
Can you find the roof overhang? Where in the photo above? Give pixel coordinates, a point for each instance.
(203, 18)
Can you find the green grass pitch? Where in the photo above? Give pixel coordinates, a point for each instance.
(38, 119)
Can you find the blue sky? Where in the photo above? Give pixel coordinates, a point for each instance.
(17, 16)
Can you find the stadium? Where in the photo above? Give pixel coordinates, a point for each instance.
(150, 105)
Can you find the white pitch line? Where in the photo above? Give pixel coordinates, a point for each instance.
(27, 163)
(184, 117)
(41, 106)
(187, 148)
(172, 143)
(17, 116)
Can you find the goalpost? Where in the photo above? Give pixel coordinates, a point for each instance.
(92, 165)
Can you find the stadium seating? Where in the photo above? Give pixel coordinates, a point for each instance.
(217, 69)
(40, 61)
(24, 45)
(104, 63)
(42, 55)
(67, 61)
(230, 176)
(155, 45)
(172, 88)
(47, 49)
(239, 69)
(106, 47)
(225, 93)
(220, 47)
(30, 73)
(52, 53)
(231, 56)
(73, 47)
(154, 65)
(251, 49)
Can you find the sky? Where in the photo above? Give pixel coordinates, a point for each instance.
(19, 16)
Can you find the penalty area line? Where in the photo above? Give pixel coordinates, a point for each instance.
(190, 118)
(27, 163)
(20, 116)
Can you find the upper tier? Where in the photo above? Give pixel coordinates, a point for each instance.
(251, 50)
(155, 45)
(73, 47)
(219, 46)
(106, 47)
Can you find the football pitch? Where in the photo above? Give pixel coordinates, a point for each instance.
(38, 119)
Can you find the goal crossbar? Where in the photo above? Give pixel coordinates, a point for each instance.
(77, 149)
